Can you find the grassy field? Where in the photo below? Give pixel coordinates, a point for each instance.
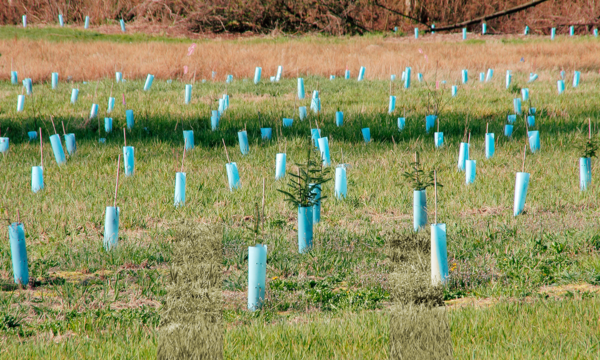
(333, 301)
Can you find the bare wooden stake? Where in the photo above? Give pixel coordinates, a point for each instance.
(469, 141)
(63, 126)
(52, 119)
(117, 184)
(41, 149)
(435, 192)
(226, 153)
(524, 152)
(487, 128)
(183, 157)
(263, 206)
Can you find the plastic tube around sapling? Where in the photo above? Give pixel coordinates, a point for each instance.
(552, 33)
(54, 80)
(401, 123)
(521, 184)
(361, 74)
(118, 76)
(490, 74)
(214, 122)
(257, 73)
(416, 33)
(188, 138)
(438, 138)
(525, 94)
(279, 72)
(347, 74)
(257, 274)
(129, 119)
(4, 144)
(324, 149)
(392, 104)
(571, 30)
(483, 28)
(94, 111)
(419, 209)
(517, 105)
(560, 84)
(280, 166)
(454, 90)
(18, 253)
(532, 111)
(420, 77)
(534, 140)
(576, 77)
(87, 22)
(243, 140)
(302, 112)
(108, 125)
(24, 18)
(32, 135)
(430, 122)
(287, 122)
(179, 189)
(20, 103)
(465, 76)
(341, 182)
(61, 21)
(28, 86)
(14, 78)
(481, 77)
(511, 118)
(129, 160)
(233, 176)
(470, 171)
(70, 143)
(508, 129)
(530, 120)
(57, 149)
(111, 105)
(149, 80)
(188, 93)
(266, 133)
(301, 93)
(407, 72)
(585, 173)
(508, 78)
(490, 146)
(316, 189)
(315, 134)
(37, 178)
(122, 25)
(463, 156)
(111, 228)
(366, 132)
(339, 118)
(439, 255)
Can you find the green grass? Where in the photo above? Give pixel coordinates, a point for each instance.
(81, 288)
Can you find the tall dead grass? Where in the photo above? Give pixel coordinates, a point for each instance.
(380, 56)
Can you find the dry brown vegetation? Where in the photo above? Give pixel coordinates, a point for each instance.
(313, 56)
(328, 16)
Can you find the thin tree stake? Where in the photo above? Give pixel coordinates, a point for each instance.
(41, 149)
(524, 152)
(117, 185)
(435, 192)
(263, 206)
(183, 157)
(63, 126)
(487, 128)
(18, 217)
(51, 119)
(226, 153)
(125, 136)
(589, 128)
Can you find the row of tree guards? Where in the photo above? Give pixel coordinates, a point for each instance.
(304, 188)
(526, 31)
(61, 22)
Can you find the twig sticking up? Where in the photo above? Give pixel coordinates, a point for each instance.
(117, 185)
(183, 157)
(41, 149)
(263, 206)
(226, 153)
(435, 192)
(18, 217)
(524, 152)
(51, 119)
(125, 137)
